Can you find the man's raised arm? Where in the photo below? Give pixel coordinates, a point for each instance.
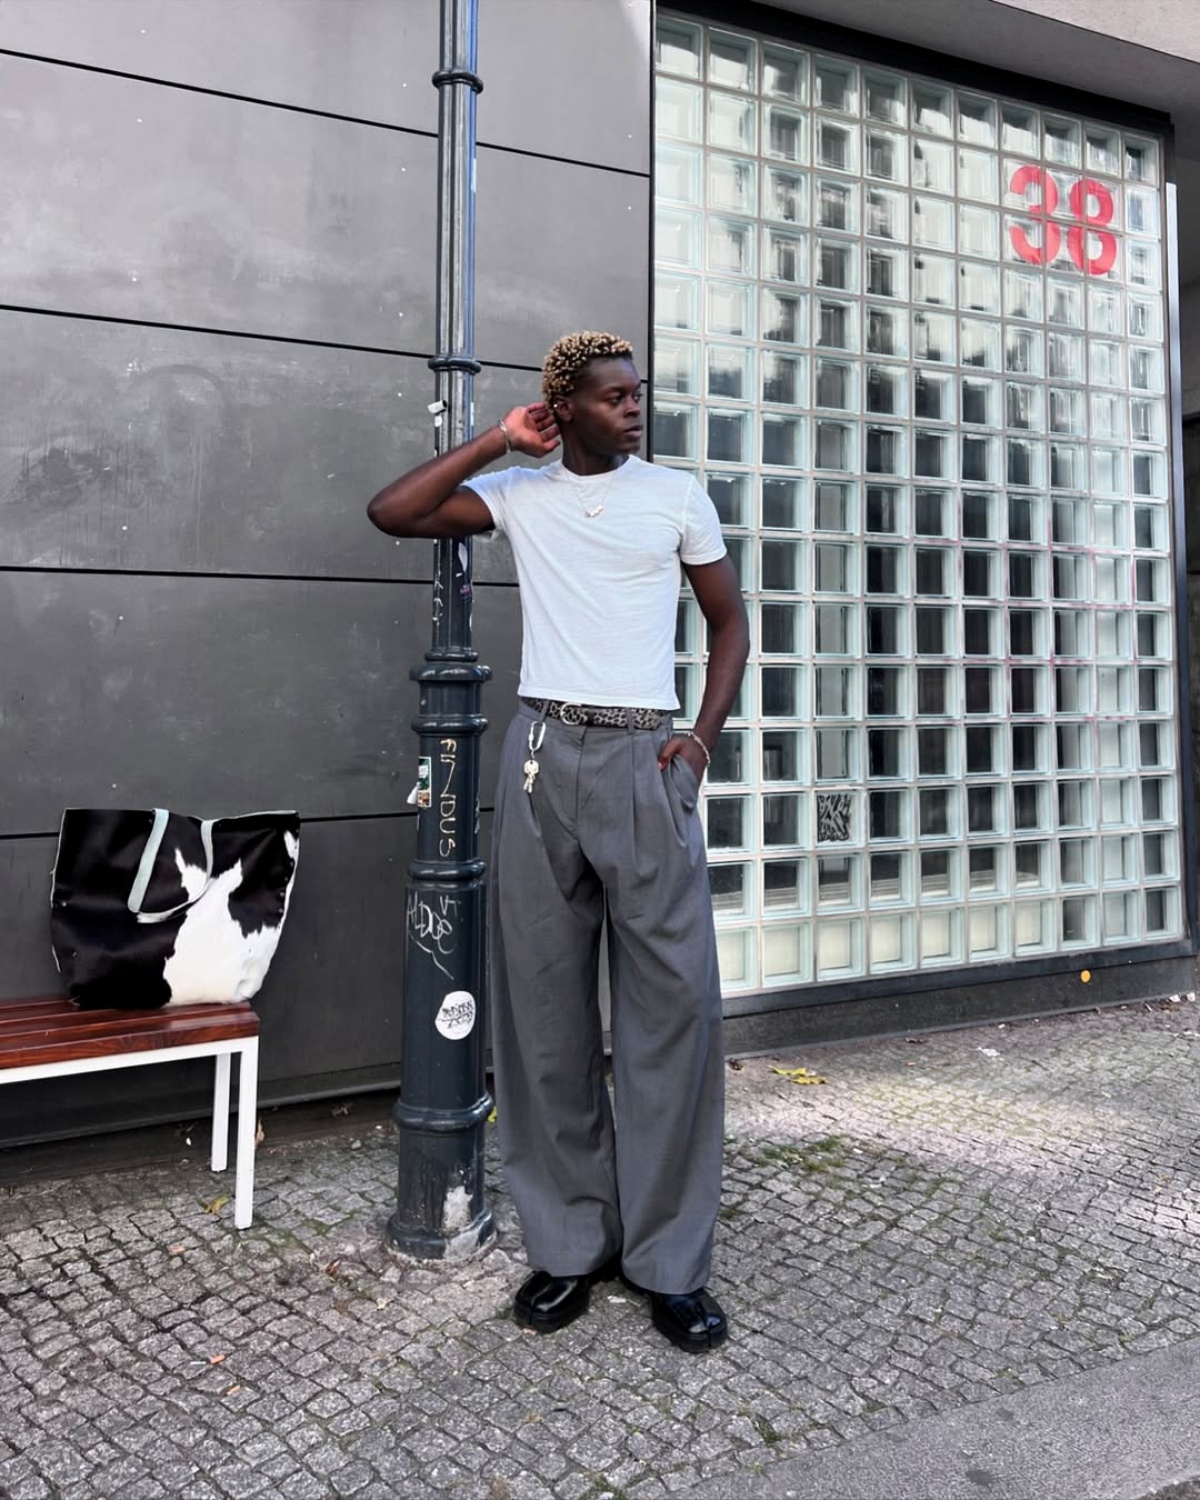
(432, 501)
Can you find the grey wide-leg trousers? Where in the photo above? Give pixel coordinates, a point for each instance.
(606, 832)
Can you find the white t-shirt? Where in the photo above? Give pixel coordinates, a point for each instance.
(599, 592)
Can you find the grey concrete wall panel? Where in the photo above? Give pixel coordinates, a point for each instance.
(216, 695)
(560, 247)
(129, 201)
(26, 962)
(331, 1002)
(371, 59)
(143, 448)
(582, 91)
(332, 998)
(123, 199)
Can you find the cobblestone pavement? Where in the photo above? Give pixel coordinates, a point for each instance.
(944, 1219)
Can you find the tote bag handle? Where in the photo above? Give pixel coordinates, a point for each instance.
(146, 869)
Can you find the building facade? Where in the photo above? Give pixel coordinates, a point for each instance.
(915, 310)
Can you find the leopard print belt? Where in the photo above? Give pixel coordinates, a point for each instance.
(580, 714)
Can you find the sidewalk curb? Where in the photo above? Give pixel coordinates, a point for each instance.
(1117, 1433)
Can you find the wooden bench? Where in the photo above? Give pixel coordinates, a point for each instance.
(51, 1038)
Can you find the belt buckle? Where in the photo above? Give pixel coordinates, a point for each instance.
(573, 714)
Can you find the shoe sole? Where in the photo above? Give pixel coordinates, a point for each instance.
(547, 1323)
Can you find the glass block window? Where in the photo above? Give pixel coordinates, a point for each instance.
(911, 338)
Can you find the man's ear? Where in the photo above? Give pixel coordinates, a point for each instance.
(561, 409)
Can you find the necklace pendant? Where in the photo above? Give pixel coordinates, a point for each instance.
(595, 510)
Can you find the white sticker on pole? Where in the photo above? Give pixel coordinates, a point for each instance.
(456, 1016)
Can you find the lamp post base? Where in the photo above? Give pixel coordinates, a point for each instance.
(423, 1244)
(442, 1212)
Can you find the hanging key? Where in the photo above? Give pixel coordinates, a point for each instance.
(537, 733)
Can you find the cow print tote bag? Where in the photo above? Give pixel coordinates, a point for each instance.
(151, 908)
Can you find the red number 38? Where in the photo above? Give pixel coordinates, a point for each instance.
(1085, 193)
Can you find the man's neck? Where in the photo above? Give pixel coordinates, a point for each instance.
(582, 461)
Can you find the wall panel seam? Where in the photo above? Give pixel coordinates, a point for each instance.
(213, 93)
(244, 333)
(216, 332)
(79, 570)
(566, 161)
(308, 820)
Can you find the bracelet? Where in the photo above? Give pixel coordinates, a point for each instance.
(692, 735)
(507, 439)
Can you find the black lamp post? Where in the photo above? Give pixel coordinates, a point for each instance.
(441, 1211)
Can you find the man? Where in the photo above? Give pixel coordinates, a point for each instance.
(595, 817)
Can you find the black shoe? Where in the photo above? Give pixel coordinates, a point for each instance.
(692, 1321)
(547, 1303)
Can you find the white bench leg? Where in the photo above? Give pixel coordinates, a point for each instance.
(247, 1129)
(220, 1119)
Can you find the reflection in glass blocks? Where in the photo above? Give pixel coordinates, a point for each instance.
(838, 881)
(934, 423)
(780, 755)
(728, 886)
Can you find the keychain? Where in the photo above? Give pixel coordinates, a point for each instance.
(537, 733)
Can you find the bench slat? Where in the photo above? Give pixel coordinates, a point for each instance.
(34, 1032)
(66, 1017)
(51, 1005)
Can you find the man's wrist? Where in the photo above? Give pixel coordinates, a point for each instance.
(690, 734)
(490, 445)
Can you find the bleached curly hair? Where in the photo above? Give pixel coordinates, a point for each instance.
(570, 356)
